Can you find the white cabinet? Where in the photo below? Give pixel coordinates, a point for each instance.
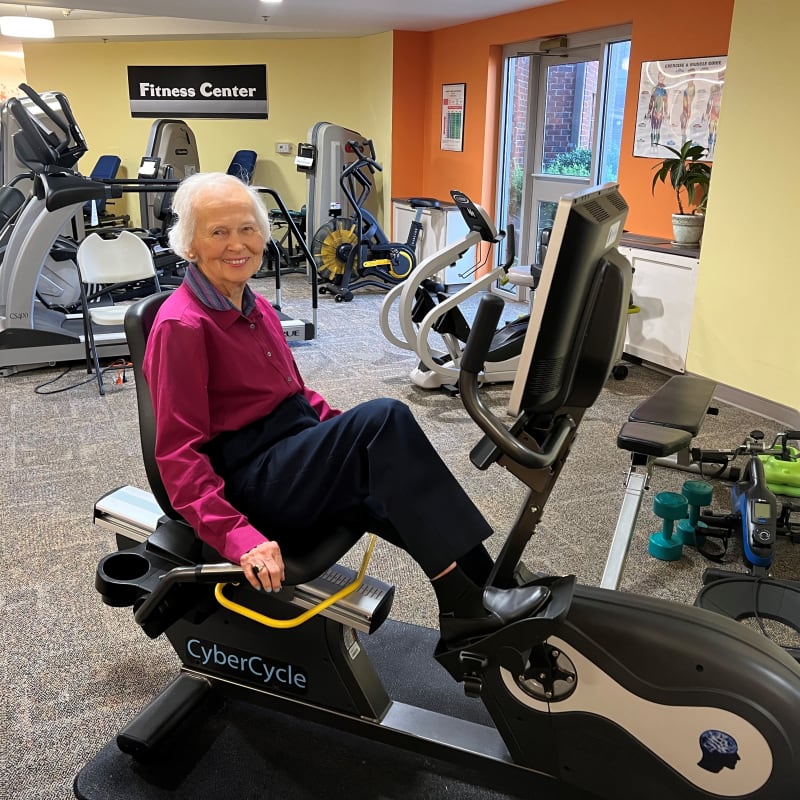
(440, 228)
(664, 282)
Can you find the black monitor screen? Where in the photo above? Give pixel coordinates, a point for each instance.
(577, 324)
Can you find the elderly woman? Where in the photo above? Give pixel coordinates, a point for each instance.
(258, 462)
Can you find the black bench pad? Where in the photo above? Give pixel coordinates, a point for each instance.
(682, 402)
(658, 441)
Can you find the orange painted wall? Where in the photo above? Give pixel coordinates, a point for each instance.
(471, 53)
(410, 111)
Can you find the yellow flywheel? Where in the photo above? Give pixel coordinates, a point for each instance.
(331, 248)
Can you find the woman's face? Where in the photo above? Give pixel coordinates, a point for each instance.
(227, 245)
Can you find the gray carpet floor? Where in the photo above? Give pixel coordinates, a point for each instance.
(75, 671)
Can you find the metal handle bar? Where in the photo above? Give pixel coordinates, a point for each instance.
(200, 573)
(36, 98)
(472, 362)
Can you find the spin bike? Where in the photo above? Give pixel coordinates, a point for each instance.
(610, 694)
(354, 252)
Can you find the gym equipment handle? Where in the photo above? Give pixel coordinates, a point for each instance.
(36, 98)
(41, 145)
(480, 336)
(361, 159)
(71, 129)
(294, 622)
(478, 342)
(200, 573)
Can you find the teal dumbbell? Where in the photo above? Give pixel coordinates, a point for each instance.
(670, 507)
(698, 494)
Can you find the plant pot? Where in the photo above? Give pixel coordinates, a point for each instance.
(687, 229)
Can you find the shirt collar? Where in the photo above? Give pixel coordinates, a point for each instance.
(205, 291)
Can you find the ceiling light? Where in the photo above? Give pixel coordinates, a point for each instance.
(27, 28)
(271, 1)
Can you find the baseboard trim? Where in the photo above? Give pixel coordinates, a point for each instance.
(786, 416)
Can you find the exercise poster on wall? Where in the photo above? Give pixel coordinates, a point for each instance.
(453, 97)
(211, 92)
(679, 100)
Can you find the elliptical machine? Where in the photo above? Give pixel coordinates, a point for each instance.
(354, 252)
(421, 308)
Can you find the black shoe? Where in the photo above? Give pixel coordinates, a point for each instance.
(503, 606)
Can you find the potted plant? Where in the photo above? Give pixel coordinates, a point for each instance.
(689, 175)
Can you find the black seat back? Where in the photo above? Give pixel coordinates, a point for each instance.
(331, 543)
(138, 323)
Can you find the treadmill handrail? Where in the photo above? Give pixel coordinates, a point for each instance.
(63, 189)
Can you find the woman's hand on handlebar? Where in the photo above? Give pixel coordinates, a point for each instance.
(263, 567)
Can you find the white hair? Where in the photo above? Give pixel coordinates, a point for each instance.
(183, 207)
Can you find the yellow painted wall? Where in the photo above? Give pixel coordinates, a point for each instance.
(744, 330)
(347, 82)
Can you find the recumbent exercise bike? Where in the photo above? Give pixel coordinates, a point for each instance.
(617, 695)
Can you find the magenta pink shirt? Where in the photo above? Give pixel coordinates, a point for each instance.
(211, 370)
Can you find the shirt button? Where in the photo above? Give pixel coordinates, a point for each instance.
(252, 326)
(269, 355)
(288, 380)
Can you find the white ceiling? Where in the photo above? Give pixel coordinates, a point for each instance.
(129, 20)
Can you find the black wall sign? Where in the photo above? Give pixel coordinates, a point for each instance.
(214, 92)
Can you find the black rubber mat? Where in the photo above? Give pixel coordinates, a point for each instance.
(239, 750)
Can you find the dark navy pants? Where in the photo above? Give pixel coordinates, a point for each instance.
(372, 466)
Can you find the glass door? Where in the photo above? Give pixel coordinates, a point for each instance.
(519, 70)
(564, 137)
(560, 131)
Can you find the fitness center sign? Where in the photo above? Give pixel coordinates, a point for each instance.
(216, 92)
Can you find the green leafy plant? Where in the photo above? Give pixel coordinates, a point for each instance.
(687, 174)
(577, 161)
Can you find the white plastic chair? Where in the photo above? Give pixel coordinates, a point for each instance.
(106, 266)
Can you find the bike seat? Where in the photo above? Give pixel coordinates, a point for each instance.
(423, 202)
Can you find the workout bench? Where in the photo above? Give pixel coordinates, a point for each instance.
(658, 428)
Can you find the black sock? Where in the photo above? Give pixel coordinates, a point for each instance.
(456, 594)
(477, 564)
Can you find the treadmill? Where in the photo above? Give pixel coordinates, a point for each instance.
(48, 142)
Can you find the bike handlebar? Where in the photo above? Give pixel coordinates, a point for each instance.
(361, 159)
(753, 445)
(472, 362)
